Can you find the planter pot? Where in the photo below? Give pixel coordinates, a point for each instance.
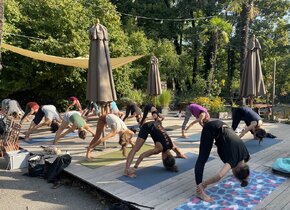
(165, 110)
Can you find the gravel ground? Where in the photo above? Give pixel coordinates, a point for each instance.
(20, 192)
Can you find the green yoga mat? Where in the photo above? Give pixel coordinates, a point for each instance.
(111, 157)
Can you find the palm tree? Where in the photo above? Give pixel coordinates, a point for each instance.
(1, 28)
(219, 31)
(246, 11)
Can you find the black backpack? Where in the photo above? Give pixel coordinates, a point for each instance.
(55, 169)
(37, 166)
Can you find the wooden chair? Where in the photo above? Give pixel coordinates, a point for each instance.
(9, 140)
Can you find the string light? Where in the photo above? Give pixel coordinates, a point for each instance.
(31, 37)
(164, 19)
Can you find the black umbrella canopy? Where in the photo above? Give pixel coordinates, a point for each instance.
(154, 82)
(252, 83)
(100, 83)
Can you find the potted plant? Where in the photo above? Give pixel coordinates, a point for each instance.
(164, 100)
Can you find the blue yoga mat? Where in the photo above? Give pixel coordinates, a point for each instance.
(192, 138)
(152, 175)
(229, 195)
(253, 145)
(49, 138)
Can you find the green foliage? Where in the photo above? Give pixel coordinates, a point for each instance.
(140, 44)
(168, 59)
(165, 98)
(135, 96)
(206, 47)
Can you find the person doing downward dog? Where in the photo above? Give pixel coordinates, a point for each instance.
(12, 108)
(51, 118)
(74, 102)
(134, 110)
(31, 108)
(150, 108)
(77, 122)
(117, 127)
(163, 144)
(252, 120)
(231, 150)
(5, 105)
(92, 109)
(200, 113)
(115, 110)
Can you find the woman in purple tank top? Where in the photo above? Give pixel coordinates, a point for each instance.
(199, 112)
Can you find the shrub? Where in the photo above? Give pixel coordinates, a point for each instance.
(213, 105)
(165, 98)
(135, 96)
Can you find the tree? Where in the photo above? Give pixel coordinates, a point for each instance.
(1, 28)
(218, 31)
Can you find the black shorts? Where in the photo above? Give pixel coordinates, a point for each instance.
(38, 116)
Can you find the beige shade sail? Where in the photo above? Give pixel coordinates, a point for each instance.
(75, 62)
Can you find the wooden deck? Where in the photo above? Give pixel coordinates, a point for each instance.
(172, 192)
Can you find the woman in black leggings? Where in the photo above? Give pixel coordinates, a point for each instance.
(150, 108)
(163, 144)
(134, 110)
(231, 150)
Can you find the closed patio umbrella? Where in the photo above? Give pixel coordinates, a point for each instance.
(252, 83)
(100, 83)
(154, 82)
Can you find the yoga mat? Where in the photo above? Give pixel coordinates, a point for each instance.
(111, 157)
(134, 127)
(49, 138)
(192, 138)
(229, 195)
(172, 127)
(253, 145)
(152, 175)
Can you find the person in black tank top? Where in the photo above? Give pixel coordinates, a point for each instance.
(231, 150)
(163, 144)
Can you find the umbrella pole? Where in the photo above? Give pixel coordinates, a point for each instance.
(274, 84)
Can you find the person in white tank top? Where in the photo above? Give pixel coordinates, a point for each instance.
(117, 127)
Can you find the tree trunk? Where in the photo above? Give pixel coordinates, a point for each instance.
(167, 3)
(1, 29)
(194, 49)
(245, 23)
(212, 63)
(231, 66)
